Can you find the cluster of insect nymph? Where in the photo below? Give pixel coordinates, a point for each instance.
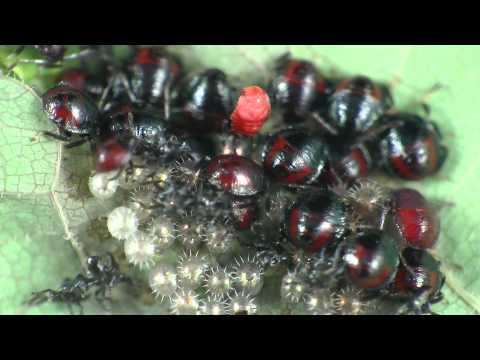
(250, 183)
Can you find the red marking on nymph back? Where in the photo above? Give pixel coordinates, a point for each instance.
(245, 220)
(111, 155)
(359, 158)
(378, 280)
(296, 176)
(145, 57)
(76, 78)
(63, 112)
(291, 74)
(419, 227)
(416, 221)
(377, 93)
(398, 163)
(279, 145)
(225, 169)
(295, 77)
(324, 235)
(360, 271)
(324, 230)
(226, 180)
(321, 86)
(401, 284)
(432, 152)
(294, 218)
(282, 145)
(412, 221)
(345, 84)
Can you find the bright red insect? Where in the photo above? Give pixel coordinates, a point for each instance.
(251, 112)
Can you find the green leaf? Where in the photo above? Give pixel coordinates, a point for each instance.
(31, 236)
(38, 211)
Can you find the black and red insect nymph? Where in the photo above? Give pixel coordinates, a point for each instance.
(294, 156)
(414, 221)
(413, 150)
(356, 106)
(316, 220)
(419, 281)
(153, 73)
(298, 89)
(72, 111)
(206, 101)
(371, 259)
(235, 175)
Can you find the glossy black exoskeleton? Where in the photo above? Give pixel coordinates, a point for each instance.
(316, 220)
(420, 284)
(295, 156)
(298, 89)
(102, 275)
(153, 72)
(356, 106)
(413, 150)
(196, 149)
(149, 129)
(72, 111)
(205, 102)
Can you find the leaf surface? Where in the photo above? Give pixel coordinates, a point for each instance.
(35, 182)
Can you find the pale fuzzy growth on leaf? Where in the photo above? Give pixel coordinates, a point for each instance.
(219, 239)
(122, 223)
(102, 185)
(350, 301)
(141, 201)
(293, 288)
(191, 270)
(214, 305)
(218, 281)
(185, 302)
(140, 250)
(163, 281)
(248, 275)
(191, 233)
(162, 232)
(242, 304)
(319, 302)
